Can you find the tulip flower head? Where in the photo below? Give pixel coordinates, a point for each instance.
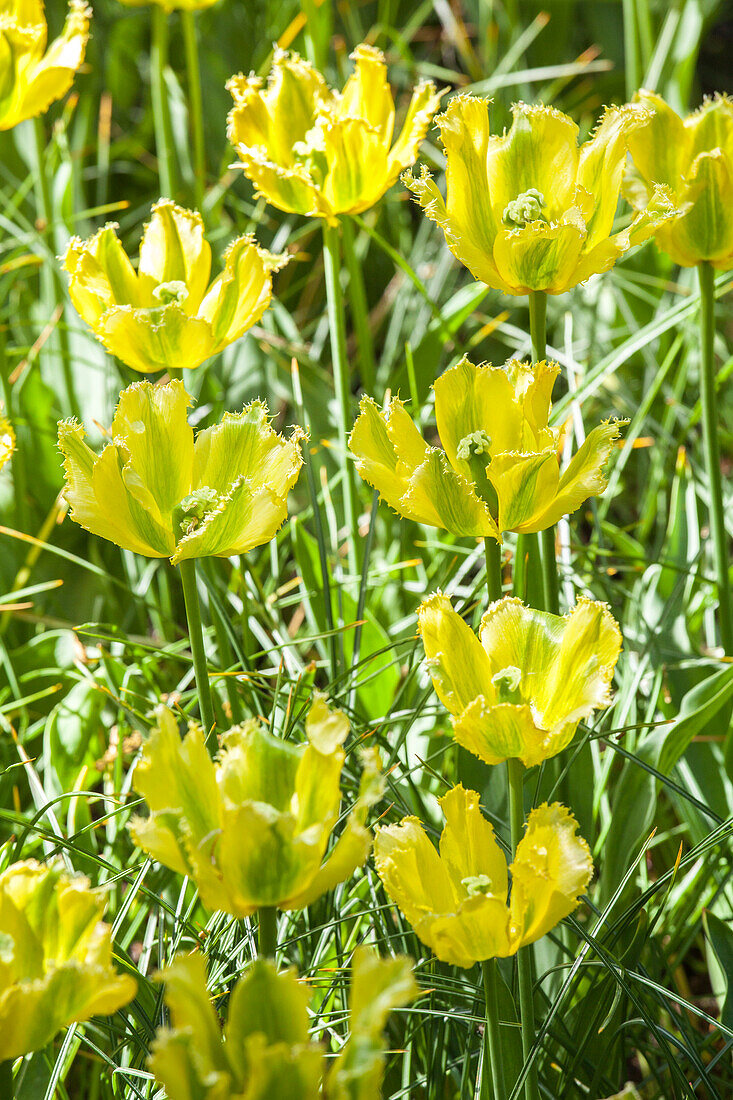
(158, 492)
(7, 439)
(498, 470)
(56, 959)
(252, 830)
(456, 901)
(694, 159)
(530, 210)
(314, 151)
(265, 1049)
(521, 690)
(32, 77)
(167, 315)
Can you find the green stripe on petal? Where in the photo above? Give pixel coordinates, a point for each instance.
(456, 660)
(245, 445)
(154, 340)
(446, 499)
(502, 731)
(541, 257)
(584, 476)
(523, 483)
(243, 518)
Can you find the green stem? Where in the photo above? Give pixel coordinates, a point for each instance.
(341, 380)
(492, 1039)
(196, 636)
(712, 453)
(267, 932)
(7, 1089)
(538, 331)
(515, 770)
(159, 95)
(359, 307)
(53, 291)
(195, 105)
(492, 552)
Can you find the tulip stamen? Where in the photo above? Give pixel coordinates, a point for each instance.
(507, 682)
(478, 885)
(174, 291)
(525, 209)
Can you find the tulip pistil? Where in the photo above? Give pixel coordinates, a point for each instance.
(190, 512)
(174, 291)
(477, 885)
(470, 449)
(526, 208)
(507, 682)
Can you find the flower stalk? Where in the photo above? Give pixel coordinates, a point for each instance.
(492, 553)
(196, 636)
(538, 330)
(195, 105)
(7, 1088)
(711, 452)
(267, 932)
(159, 96)
(493, 1087)
(515, 771)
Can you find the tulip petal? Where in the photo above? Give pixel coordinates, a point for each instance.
(539, 152)
(388, 449)
(437, 491)
(458, 664)
(551, 870)
(423, 105)
(100, 274)
(601, 165)
(289, 189)
(654, 220)
(412, 872)
(150, 340)
(468, 846)
(246, 443)
(470, 399)
(495, 732)
(243, 518)
(190, 1009)
(367, 94)
(174, 249)
(239, 296)
(151, 423)
(661, 147)
(523, 483)
(357, 165)
(539, 256)
(584, 476)
(706, 230)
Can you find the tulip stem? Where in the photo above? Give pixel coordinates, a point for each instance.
(492, 552)
(524, 954)
(7, 1090)
(267, 931)
(159, 96)
(341, 381)
(196, 636)
(492, 1056)
(359, 307)
(712, 453)
(538, 334)
(195, 105)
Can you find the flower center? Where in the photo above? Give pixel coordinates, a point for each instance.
(193, 509)
(477, 885)
(507, 681)
(174, 291)
(527, 207)
(471, 449)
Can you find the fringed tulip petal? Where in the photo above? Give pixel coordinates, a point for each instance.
(583, 478)
(458, 664)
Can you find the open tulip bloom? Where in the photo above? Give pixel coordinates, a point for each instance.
(694, 159)
(158, 492)
(456, 901)
(529, 210)
(314, 151)
(265, 1051)
(521, 690)
(31, 76)
(499, 467)
(55, 957)
(252, 830)
(167, 315)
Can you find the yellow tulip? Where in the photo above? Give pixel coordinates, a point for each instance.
(694, 159)
(7, 439)
(521, 690)
(56, 957)
(32, 77)
(252, 830)
(499, 470)
(314, 151)
(456, 901)
(530, 210)
(167, 314)
(265, 1052)
(157, 492)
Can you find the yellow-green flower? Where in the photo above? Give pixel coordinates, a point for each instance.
(456, 901)
(499, 468)
(32, 77)
(7, 439)
(694, 159)
(157, 492)
(314, 151)
(55, 957)
(530, 210)
(523, 688)
(265, 1052)
(167, 314)
(252, 830)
